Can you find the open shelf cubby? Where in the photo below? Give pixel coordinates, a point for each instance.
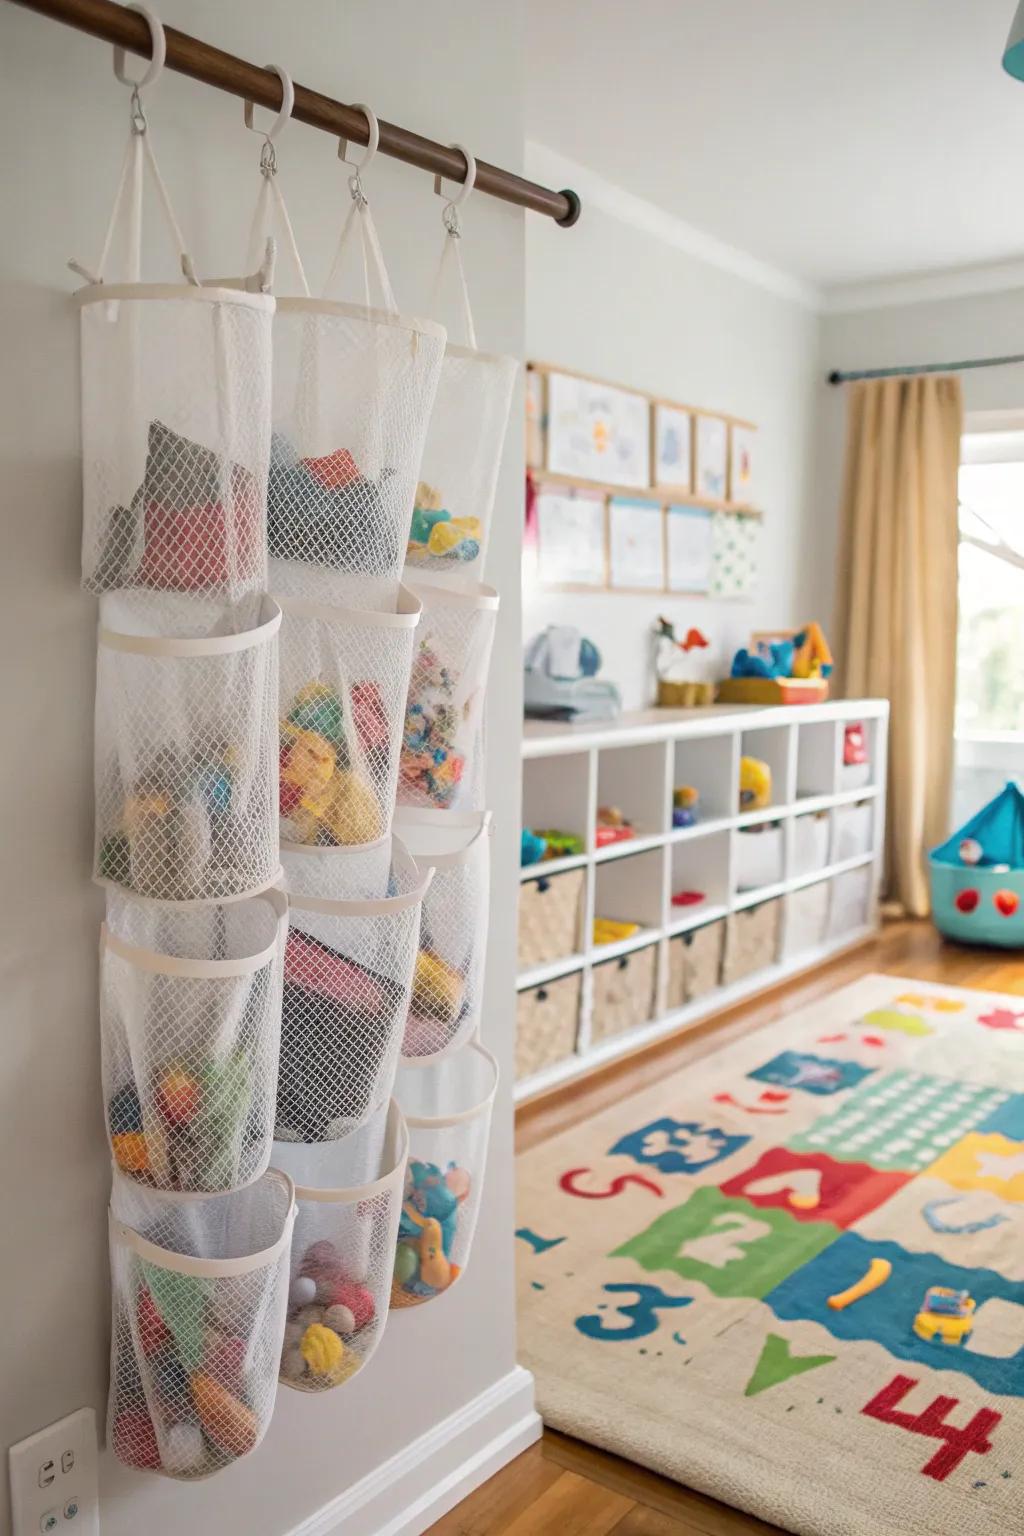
(818, 855)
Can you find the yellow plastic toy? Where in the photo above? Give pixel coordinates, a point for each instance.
(946, 1315)
(437, 989)
(755, 784)
(608, 931)
(322, 1349)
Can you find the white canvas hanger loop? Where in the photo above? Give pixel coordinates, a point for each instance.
(153, 70)
(359, 217)
(450, 213)
(268, 154)
(355, 182)
(453, 226)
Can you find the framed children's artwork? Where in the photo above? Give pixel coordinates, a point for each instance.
(689, 549)
(741, 463)
(571, 549)
(597, 432)
(636, 545)
(673, 438)
(711, 457)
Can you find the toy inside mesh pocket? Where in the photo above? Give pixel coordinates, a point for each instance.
(442, 762)
(447, 992)
(447, 1107)
(200, 1291)
(349, 1197)
(186, 766)
(175, 438)
(461, 458)
(347, 980)
(344, 676)
(190, 1018)
(353, 390)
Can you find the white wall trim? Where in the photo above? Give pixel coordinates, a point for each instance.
(924, 287)
(596, 191)
(421, 1482)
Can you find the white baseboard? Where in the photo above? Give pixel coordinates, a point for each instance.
(407, 1493)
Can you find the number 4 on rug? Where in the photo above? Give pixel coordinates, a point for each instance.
(931, 1421)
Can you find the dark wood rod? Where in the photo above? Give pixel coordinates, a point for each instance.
(190, 56)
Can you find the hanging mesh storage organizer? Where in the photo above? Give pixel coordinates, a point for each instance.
(447, 1107)
(200, 1291)
(348, 976)
(190, 1023)
(447, 993)
(349, 1197)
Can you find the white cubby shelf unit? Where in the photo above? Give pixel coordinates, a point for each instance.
(826, 820)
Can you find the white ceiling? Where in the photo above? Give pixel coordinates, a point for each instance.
(840, 140)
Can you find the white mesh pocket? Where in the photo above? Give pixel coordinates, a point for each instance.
(353, 390)
(175, 438)
(344, 677)
(186, 760)
(447, 989)
(459, 474)
(347, 978)
(447, 1107)
(349, 1197)
(442, 745)
(200, 1291)
(190, 1018)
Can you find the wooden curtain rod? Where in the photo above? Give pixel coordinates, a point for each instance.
(225, 71)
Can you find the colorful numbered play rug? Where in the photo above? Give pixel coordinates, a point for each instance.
(792, 1275)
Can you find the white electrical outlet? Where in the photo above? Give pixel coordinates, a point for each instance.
(53, 1479)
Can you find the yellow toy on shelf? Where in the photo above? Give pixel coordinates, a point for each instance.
(812, 657)
(608, 931)
(755, 784)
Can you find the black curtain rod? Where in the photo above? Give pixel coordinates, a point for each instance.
(841, 376)
(225, 71)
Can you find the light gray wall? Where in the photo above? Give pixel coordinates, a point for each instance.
(635, 310)
(63, 121)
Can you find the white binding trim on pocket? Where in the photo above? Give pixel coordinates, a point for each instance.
(383, 906)
(212, 970)
(406, 615)
(481, 599)
(396, 1152)
(215, 645)
(432, 1122)
(101, 293)
(206, 1269)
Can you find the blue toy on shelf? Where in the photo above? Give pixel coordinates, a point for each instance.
(772, 659)
(977, 876)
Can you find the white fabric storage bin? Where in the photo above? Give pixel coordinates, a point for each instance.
(447, 992)
(200, 1288)
(807, 915)
(853, 830)
(353, 391)
(348, 976)
(190, 1023)
(349, 1198)
(175, 438)
(186, 760)
(447, 1107)
(810, 843)
(442, 762)
(851, 902)
(344, 678)
(459, 475)
(758, 853)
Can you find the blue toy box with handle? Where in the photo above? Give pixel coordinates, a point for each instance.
(977, 876)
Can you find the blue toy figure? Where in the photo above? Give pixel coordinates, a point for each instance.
(772, 660)
(977, 876)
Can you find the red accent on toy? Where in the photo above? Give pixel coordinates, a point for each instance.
(370, 718)
(334, 470)
(967, 900)
(188, 549)
(321, 970)
(603, 836)
(855, 746)
(135, 1440)
(357, 1298)
(153, 1331)
(1006, 902)
(687, 898)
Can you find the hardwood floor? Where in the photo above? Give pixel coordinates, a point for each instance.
(562, 1487)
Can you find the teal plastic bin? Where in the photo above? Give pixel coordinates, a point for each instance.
(980, 899)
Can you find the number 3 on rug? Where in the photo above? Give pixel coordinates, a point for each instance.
(642, 1313)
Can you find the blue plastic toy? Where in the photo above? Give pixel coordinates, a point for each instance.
(532, 848)
(977, 876)
(772, 660)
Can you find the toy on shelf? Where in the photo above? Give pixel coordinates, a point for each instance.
(612, 827)
(688, 898)
(755, 784)
(560, 680)
(561, 845)
(607, 930)
(788, 667)
(977, 875)
(946, 1315)
(684, 805)
(675, 691)
(532, 847)
(426, 1232)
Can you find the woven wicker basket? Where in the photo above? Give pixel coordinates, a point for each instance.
(623, 993)
(549, 917)
(694, 964)
(751, 940)
(546, 1021)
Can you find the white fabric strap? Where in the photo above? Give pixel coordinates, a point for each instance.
(451, 250)
(269, 201)
(359, 215)
(128, 206)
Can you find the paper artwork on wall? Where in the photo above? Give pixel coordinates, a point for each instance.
(570, 536)
(597, 432)
(735, 541)
(690, 547)
(741, 464)
(712, 457)
(673, 435)
(636, 555)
